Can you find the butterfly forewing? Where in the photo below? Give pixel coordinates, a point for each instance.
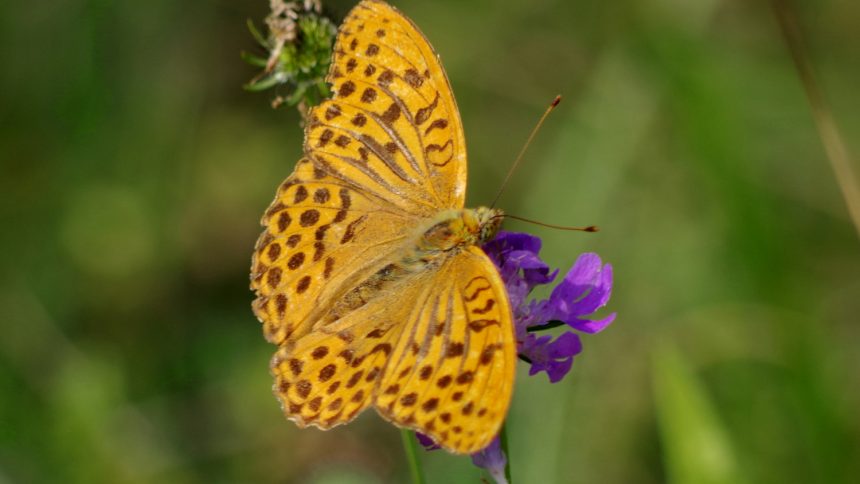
(392, 125)
(321, 236)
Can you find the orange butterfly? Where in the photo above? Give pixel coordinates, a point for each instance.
(369, 275)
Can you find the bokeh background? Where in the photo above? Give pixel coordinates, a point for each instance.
(135, 170)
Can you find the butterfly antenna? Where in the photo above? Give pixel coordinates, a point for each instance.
(590, 228)
(552, 106)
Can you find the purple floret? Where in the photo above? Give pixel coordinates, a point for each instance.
(585, 288)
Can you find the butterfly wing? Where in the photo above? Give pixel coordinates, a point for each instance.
(436, 354)
(321, 238)
(451, 373)
(392, 126)
(435, 351)
(330, 375)
(384, 153)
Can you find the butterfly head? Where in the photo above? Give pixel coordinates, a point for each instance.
(483, 223)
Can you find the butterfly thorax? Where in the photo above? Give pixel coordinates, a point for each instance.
(452, 230)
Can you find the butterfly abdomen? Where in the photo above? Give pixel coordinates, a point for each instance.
(381, 281)
(366, 290)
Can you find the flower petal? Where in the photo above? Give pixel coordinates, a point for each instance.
(426, 442)
(553, 357)
(567, 344)
(591, 326)
(599, 293)
(579, 280)
(493, 459)
(524, 259)
(585, 288)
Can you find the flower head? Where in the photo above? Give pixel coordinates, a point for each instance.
(299, 48)
(585, 288)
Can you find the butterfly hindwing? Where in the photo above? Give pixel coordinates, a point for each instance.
(435, 354)
(330, 375)
(451, 374)
(329, 378)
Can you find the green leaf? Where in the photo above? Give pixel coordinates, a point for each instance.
(257, 35)
(261, 84)
(696, 448)
(253, 60)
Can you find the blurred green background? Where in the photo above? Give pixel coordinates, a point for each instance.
(135, 170)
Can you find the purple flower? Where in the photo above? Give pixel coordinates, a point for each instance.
(515, 254)
(585, 288)
(493, 459)
(426, 442)
(553, 357)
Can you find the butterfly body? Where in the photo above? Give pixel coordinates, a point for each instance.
(445, 235)
(369, 275)
(453, 230)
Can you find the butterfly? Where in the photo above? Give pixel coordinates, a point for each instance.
(369, 274)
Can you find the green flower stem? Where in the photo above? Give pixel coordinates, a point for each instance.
(410, 445)
(503, 441)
